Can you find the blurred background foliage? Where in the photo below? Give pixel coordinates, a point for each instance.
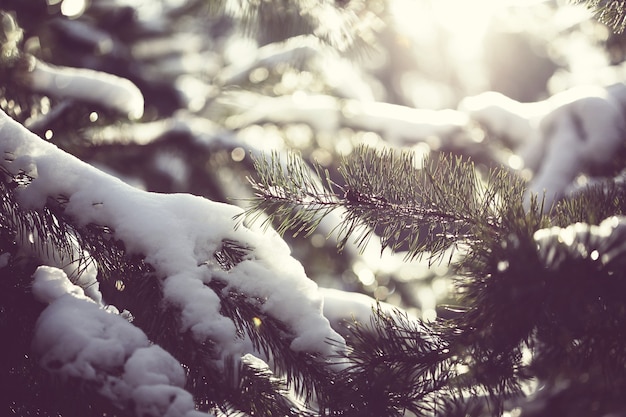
(224, 81)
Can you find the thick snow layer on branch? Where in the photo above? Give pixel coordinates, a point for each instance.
(558, 138)
(74, 337)
(179, 235)
(83, 84)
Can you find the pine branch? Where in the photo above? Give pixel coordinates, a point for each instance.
(127, 282)
(130, 283)
(396, 364)
(163, 321)
(307, 374)
(292, 193)
(592, 204)
(265, 394)
(610, 12)
(555, 293)
(424, 210)
(582, 333)
(401, 365)
(52, 234)
(427, 209)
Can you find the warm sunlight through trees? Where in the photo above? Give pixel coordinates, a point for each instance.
(359, 208)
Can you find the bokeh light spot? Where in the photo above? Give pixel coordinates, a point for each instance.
(238, 154)
(73, 8)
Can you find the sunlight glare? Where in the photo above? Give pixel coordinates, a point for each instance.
(515, 161)
(464, 22)
(458, 28)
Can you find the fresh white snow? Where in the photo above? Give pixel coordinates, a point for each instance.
(96, 87)
(558, 138)
(341, 306)
(76, 338)
(179, 235)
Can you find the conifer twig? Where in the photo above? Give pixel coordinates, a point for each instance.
(612, 13)
(421, 210)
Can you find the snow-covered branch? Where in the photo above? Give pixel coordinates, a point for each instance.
(76, 338)
(180, 236)
(566, 135)
(399, 125)
(87, 85)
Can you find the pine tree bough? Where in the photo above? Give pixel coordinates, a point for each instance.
(424, 210)
(189, 243)
(511, 319)
(224, 320)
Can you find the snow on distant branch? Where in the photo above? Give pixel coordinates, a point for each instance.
(297, 49)
(568, 134)
(397, 124)
(87, 85)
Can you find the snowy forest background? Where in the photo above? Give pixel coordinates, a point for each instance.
(140, 138)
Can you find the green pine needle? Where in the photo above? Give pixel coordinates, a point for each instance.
(592, 204)
(612, 13)
(385, 192)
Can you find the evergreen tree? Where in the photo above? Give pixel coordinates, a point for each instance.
(204, 314)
